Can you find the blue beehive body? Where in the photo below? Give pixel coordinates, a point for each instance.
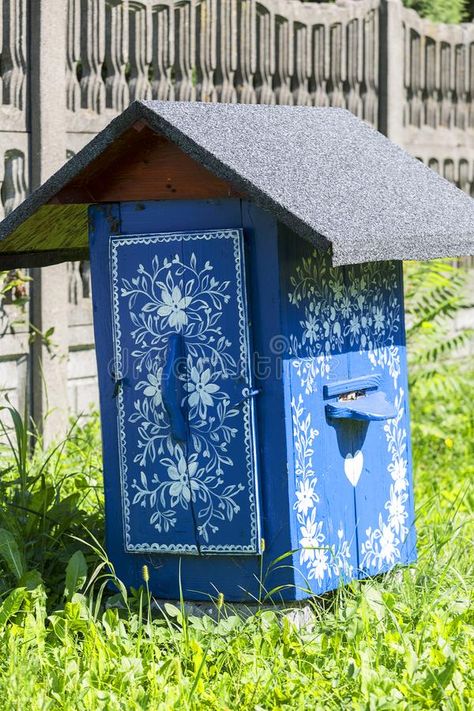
(253, 403)
(248, 312)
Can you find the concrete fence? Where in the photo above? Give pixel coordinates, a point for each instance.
(68, 66)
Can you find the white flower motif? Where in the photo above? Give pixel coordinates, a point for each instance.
(184, 296)
(388, 544)
(364, 310)
(306, 496)
(184, 485)
(319, 564)
(379, 318)
(201, 388)
(398, 471)
(337, 286)
(354, 326)
(312, 328)
(345, 307)
(397, 512)
(312, 538)
(153, 388)
(174, 307)
(325, 365)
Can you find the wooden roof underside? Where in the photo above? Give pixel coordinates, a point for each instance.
(139, 165)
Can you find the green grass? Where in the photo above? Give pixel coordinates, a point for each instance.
(402, 641)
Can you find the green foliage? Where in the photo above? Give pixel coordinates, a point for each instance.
(13, 300)
(44, 500)
(14, 315)
(435, 291)
(401, 641)
(449, 11)
(76, 574)
(11, 555)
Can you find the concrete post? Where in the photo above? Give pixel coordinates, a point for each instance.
(391, 67)
(49, 304)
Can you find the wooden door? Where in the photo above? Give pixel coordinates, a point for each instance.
(184, 398)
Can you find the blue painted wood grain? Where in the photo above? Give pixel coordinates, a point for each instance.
(270, 349)
(409, 550)
(371, 407)
(341, 387)
(171, 390)
(350, 479)
(384, 493)
(224, 436)
(322, 504)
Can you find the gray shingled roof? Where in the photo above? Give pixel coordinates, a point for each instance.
(326, 174)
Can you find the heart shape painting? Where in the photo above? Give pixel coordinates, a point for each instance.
(353, 466)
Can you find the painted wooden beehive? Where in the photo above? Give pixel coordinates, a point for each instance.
(249, 322)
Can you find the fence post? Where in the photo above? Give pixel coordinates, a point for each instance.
(49, 302)
(391, 70)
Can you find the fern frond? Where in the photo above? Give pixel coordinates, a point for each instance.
(435, 291)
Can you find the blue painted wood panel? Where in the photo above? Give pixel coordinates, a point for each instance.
(379, 451)
(323, 512)
(220, 393)
(156, 505)
(277, 575)
(346, 333)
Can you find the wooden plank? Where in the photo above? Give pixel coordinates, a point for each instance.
(321, 500)
(222, 434)
(371, 406)
(261, 234)
(366, 382)
(144, 166)
(50, 228)
(186, 285)
(384, 487)
(42, 259)
(101, 220)
(147, 449)
(138, 166)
